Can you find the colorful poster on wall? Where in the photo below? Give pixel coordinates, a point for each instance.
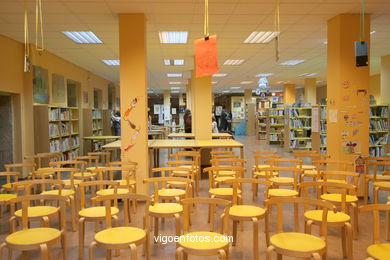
(315, 123)
(351, 147)
(85, 97)
(58, 88)
(206, 59)
(333, 115)
(156, 109)
(40, 85)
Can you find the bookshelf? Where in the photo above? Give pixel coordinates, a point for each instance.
(261, 124)
(97, 126)
(275, 125)
(56, 130)
(379, 130)
(299, 128)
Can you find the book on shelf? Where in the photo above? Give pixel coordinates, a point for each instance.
(53, 130)
(276, 112)
(97, 114)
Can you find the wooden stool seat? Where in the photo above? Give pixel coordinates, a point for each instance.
(334, 180)
(111, 192)
(227, 173)
(260, 166)
(38, 211)
(332, 197)
(97, 212)
(85, 174)
(224, 178)
(4, 197)
(316, 215)
(191, 241)
(282, 180)
(379, 177)
(95, 167)
(382, 184)
(379, 251)
(33, 236)
(166, 208)
(64, 192)
(75, 182)
(246, 211)
(262, 173)
(176, 183)
(124, 182)
(311, 173)
(297, 242)
(307, 167)
(171, 192)
(120, 236)
(282, 193)
(222, 191)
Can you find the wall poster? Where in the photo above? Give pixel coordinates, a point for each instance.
(40, 85)
(58, 88)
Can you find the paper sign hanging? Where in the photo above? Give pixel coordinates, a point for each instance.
(206, 59)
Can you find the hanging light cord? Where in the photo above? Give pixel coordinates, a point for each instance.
(38, 25)
(362, 33)
(277, 29)
(26, 40)
(206, 19)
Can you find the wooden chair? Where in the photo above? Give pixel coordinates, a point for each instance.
(239, 213)
(92, 164)
(220, 241)
(351, 197)
(94, 213)
(187, 170)
(266, 154)
(10, 178)
(41, 238)
(40, 213)
(127, 183)
(381, 185)
(219, 174)
(171, 209)
(123, 237)
(377, 250)
(297, 244)
(195, 157)
(216, 153)
(58, 171)
(261, 163)
(228, 162)
(43, 159)
(311, 169)
(103, 157)
(335, 219)
(375, 177)
(20, 168)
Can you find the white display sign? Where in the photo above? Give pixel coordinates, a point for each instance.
(315, 122)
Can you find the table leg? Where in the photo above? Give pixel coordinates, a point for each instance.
(242, 152)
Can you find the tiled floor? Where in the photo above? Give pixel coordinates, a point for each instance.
(243, 249)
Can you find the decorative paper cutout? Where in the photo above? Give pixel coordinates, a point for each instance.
(344, 134)
(351, 147)
(206, 59)
(126, 118)
(355, 132)
(347, 84)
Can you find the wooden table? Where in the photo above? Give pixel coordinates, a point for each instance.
(102, 138)
(154, 133)
(191, 135)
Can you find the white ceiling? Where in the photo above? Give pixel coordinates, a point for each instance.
(303, 31)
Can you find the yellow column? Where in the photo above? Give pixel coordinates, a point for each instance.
(310, 90)
(348, 104)
(289, 94)
(201, 103)
(250, 107)
(375, 87)
(248, 96)
(167, 106)
(133, 80)
(385, 81)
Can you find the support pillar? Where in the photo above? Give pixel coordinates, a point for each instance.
(289, 94)
(181, 104)
(167, 107)
(310, 94)
(133, 94)
(347, 90)
(385, 80)
(251, 107)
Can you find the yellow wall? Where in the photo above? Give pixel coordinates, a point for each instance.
(385, 81)
(289, 94)
(375, 87)
(14, 80)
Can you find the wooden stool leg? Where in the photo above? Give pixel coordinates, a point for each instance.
(91, 246)
(279, 257)
(133, 249)
(234, 232)
(64, 246)
(108, 254)
(355, 221)
(270, 250)
(349, 238)
(81, 238)
(255, 238)
(179, 253)
(343, 240)
(177, 218)
(44, 252)
(316, 256)
(24, 255)
(72, 207)
(222, 254)
(155, 228)
(387, 225)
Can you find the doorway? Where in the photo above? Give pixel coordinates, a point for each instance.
(6, 131)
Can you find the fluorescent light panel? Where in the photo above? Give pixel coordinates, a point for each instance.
(83, 37)
(220, 75)
(235, 87)
(226, 91)
(372, 32)
(111, 62)
(291, 62)
(174, 75)
(246, 82)
(264, 75)
(308, 74)
(173, 37)
(174, 82)
(169, 62)
(214, 82)
(261, 37)
(175, 92)
(233, 62)
(175, 88)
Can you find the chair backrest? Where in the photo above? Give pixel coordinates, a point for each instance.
(122, 163)
(126, 211)
(161, 182)
(238, 183)
(311, 156)
(41, 183)
(213, 153)
(375, 209)
(179, 163)
(261, 158)
(93, 161)
(215, 171)
(344, 175)
(20, 166)
(194, 155)
(169, 171)
(127, 171)
(81, 165)
(25, 200)
(322, 188)
(104, 157)
(264, 152)
(10, 176)
(376, 165)
(296, 202)
(328, 164)
(95, 184)
(228, 162)
(213, 202)
(41, 158)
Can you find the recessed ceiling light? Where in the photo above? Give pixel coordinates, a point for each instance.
(235, 87)
(246, 82)
(175, 92)
(174, 75)
(372, 32)
(261, 37)
(150, 91)
(173, 37)
(220, 75)
(226, 91)
(214, 82)
(308, 74)
(233, 62)
(173, 62)
(174, 82)
(282, 82)
(264, 74)
(86, 37)
(111, 62)
(291, 62)
(175, 88)
(325, 42)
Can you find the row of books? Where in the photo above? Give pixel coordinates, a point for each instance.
(374, 140)
(54, 130)
(296, 144)
(70, 155)
(56, 114)
(276, 112)
(96, 125)
(379, 125)
(60, 145)
(377, 151)
(379, 111)
(323, 125)
(262, 113)
(96, 114)
(297, 123)
(276, 121)
(323, 140)
(323, 112)
(275, 137)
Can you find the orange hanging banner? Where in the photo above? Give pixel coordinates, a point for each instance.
(206, 59)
